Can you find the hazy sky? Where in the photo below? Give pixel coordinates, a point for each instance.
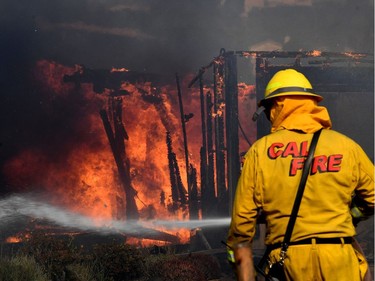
(171, 36)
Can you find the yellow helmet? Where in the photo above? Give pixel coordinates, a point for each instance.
(288, 82)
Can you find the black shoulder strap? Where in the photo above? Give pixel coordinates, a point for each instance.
(301, 188)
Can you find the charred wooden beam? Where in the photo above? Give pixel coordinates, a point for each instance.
(219, 110)
(172, 174)
(201, 71)
(210, 201)
(183, 121)
(193, 199)
(123, 167)
(110, 79)
(263, 125)
(177, 189)
(203, 152)
(358, 57)
(204, 180)
(231, 125)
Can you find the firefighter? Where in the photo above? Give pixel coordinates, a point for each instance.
(269, 182)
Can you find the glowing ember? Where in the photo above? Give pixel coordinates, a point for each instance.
(18, 238)
(249, 54)
(13, 239)
(354, 56)
(315, 53)
(119, 69)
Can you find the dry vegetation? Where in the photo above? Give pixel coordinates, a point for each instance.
(46, 258)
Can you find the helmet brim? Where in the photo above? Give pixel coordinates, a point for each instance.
(267, 100)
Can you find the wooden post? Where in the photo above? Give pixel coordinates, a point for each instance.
(123, 167)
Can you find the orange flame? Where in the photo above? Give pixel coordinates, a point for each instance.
(315, 53)
(122, 69)
(82, 175)
(13, 240)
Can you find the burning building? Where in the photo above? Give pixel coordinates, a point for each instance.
(117, 145)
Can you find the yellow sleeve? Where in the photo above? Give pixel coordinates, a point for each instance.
(244, 212)
(365, 189)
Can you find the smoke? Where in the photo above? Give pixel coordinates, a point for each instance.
(165, 36)
(83, 27)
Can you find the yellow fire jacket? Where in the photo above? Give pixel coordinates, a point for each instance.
(272, 170)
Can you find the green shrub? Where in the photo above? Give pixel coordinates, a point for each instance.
(21, 268)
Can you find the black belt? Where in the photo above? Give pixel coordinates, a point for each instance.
(336, 240)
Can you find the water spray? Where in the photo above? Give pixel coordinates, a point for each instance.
(16, 207)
